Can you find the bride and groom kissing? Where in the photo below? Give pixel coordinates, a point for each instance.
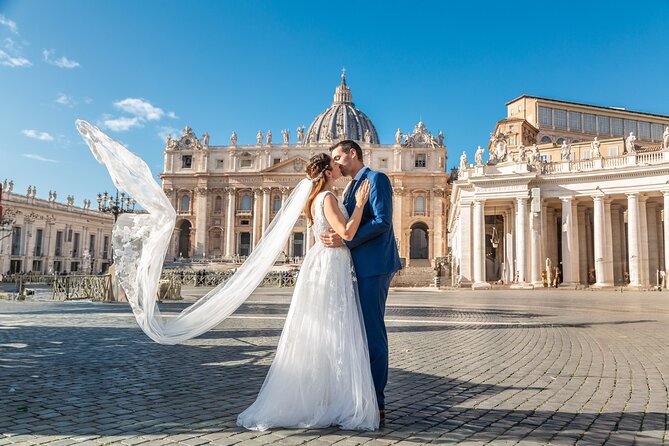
(331, 363)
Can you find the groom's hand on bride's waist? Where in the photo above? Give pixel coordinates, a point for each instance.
(331, 240)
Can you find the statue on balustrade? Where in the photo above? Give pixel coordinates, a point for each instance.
(463, 161)
(479, 156)
(665, 138)
(630, 141)
(594, 145)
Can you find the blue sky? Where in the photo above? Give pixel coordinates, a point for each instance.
(142, 69)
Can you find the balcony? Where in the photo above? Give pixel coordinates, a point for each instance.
(244, 213)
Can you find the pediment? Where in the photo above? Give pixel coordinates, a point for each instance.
(294, 164)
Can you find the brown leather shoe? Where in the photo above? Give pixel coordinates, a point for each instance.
(382, 416)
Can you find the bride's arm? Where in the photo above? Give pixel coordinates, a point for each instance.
(346, 229)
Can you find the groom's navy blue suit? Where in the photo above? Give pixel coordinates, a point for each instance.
(375, 257)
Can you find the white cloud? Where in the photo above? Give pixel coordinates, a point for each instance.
(42, 136)
(62, 62)
(12, 45)
(9, 61)
(163, 131)
(32, 156)
(9, 24)
(140, 108)
(172, 115)
(64, 99)
(121, 124)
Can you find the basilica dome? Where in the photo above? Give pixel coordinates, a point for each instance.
(341, 121)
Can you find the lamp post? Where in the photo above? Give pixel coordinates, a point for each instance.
(116, 205)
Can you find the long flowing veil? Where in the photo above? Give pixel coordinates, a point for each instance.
(140, 242)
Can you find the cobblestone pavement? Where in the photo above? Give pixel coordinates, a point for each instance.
(496, 367)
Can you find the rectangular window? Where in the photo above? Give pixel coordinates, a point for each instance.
(545, 158)
(545, 117)
(276, 161)
(69, 235)
(420, 160)
(630, 126)
(644, 130)
(613, 151)
(75, 245)
(246, 162)
(603, 125)
(74, 266)
(105, 247)
(186, 161)
(59, 243)
(16, 241)
(39, 235)
(589, 123)
(656, 132)
(560, 119)
(586, 155)
(575, 121)
(383, 163)
(220, 164)
(91, 246)
(617, 127)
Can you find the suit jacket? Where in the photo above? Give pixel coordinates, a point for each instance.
(374, 249)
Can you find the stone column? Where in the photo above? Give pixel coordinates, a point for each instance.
(478, 253)
(509, 244)
(256, 218)
(600, 243)
(230, 224)
(437, 216)
(653, 243)
(633, 247)
(200, 222)
(398, 193)
(521, 246)
(465, 229)
(583, 233)
(643, 241)
(666, 230)
(536, 231)
(284, 195)
(608, 243)
(617, 248)
(570, 251)
(266, 195)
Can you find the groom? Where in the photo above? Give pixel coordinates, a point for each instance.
(374, 253)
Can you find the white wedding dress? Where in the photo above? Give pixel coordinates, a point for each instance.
(321, 375)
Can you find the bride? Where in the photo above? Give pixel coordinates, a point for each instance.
(321, 374)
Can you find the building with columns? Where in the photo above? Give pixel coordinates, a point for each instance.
(569, 190)
(226, 195)
(45, 236)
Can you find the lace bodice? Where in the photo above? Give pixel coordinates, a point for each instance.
(321, 224)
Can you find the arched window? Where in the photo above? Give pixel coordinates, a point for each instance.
(420, 205)
(545, 140)
(218, 204)
(277, 204)
(560, 141)
(247, 202)
(185, 203)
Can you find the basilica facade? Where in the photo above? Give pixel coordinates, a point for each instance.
(566, 194)
(226, 195)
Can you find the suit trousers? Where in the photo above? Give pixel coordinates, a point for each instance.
(373, 293)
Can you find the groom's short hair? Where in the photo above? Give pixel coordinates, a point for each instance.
(347, 145)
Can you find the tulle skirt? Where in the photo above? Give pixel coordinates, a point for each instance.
(320, 376)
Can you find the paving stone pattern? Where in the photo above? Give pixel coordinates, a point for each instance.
(496, 367)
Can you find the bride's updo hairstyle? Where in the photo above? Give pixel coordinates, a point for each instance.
(315, 170)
